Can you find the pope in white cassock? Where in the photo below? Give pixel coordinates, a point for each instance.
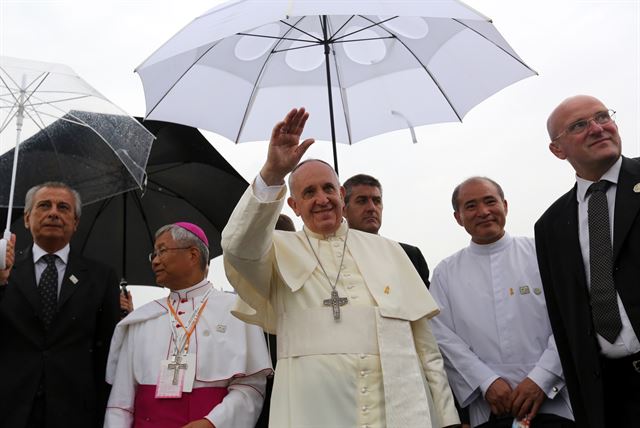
(351, 314)
(493, 329)
(185, 361)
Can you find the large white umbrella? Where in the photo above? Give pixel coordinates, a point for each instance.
(361, 68)
(58, 116)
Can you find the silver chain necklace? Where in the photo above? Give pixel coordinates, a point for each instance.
(335, 301)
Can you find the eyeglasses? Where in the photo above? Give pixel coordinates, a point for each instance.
(578, 127)
(160, 252)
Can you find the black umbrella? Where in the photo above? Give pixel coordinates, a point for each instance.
(187, 180)
(98, 154)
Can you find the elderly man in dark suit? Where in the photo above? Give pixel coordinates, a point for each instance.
(363, 211)
(588, 245)
(57, 314)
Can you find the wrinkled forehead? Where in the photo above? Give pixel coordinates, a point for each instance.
(311, 173)
(54, 194)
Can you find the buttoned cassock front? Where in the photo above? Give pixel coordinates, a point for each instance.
(331, 373)
(494, 323)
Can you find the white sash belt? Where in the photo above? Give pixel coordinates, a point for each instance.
(406, 394)
(408, 402)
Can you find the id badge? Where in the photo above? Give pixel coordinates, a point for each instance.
(522, 423)
(190, 373)
(170, 383)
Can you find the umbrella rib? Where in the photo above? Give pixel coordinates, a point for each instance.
(176, 195)
(15, 99)
(180, 78)
(61, 100)
(373, 24)
(37, 120)
(257, 82)
(293, 27)
(264, 36)
(138, 202)
(42, 78)
(343, 25)
(425, 68)
(296, 48)
(493, 43)
(345, 105)
(103, 207)
(9, 118)
(364, 40)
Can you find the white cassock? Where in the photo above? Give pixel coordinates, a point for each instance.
(232, 363)
(494, 323)
(379, 364)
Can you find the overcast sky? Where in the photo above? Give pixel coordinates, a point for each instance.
(590, 47)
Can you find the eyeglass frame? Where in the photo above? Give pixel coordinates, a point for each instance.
(610, 113)
(160, 251)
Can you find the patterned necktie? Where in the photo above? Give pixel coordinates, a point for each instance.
(604, 302)
(48, 288)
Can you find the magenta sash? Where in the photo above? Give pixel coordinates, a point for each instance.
(151, 412)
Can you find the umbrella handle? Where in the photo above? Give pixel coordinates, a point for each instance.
(3, 249)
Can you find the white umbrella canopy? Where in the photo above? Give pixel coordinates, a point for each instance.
(361, 68)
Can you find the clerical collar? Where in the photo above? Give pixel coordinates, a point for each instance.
(340, 233)
(194, 291)
(611, 176)
(62, 253)
(494, 247)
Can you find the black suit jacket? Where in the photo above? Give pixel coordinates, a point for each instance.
(566, 291)
(416, 257)
(70, 358)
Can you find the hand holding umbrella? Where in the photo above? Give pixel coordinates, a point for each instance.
(9, 251)
(285, 149)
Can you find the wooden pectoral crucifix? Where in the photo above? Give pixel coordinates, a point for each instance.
(176, 365)
(335, 302)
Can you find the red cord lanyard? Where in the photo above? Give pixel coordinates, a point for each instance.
(182, 345)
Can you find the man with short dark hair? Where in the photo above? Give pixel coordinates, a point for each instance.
(57, 314)
(185, 361)
(588, 245)
(363, 210)
(493, 328)
(352, 316)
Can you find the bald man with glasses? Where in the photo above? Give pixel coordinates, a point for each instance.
(588, 246)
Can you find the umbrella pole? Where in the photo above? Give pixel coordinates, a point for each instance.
(7, 232)
(327, 50)
(124, 237)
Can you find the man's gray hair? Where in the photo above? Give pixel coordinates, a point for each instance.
(184, 237)
(28, 199)
(359, 180)
(290, 180)
(456, 191)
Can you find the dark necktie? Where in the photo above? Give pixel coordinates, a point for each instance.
(48, 288)
(604, 303)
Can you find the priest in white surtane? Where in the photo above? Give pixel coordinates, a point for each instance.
(494, 331)
(351, 313)
(185, 361)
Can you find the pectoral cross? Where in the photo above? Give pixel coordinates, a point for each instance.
(335, 302)
(176, 365)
